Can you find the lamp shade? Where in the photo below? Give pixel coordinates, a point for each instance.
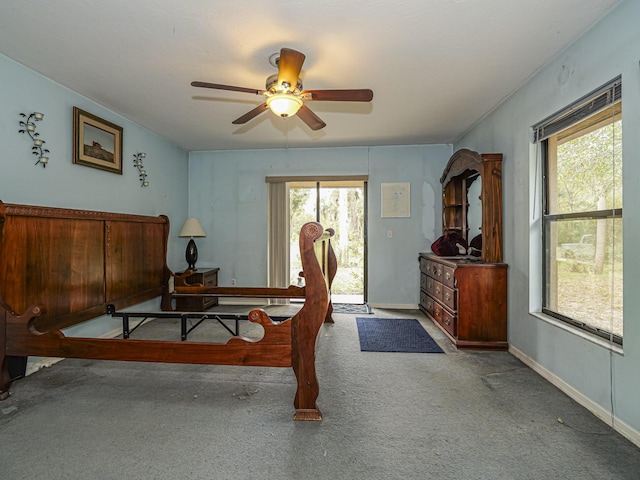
(284, 104)
(192, 228)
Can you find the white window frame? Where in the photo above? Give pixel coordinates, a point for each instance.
(589, 105)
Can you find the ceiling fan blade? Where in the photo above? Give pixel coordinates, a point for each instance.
(356, 95)
(310, 118)
(251, 114)
(232, 88)
(289, 67)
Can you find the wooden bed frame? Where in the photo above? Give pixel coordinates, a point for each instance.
(61, 267)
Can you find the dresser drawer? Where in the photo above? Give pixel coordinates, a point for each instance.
(449, 298)
(437, 312)
(445, 318)
(447, 276)
(430, 304)
(423, 281)
(435, 271)
(434, 288)
(210, 278)
(424, 265)
(426, 302)
(448, 322)
(438, 290)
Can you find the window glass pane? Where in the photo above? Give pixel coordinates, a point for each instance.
(342, 208)
(584, 271)
(588, 166)
(302, 209)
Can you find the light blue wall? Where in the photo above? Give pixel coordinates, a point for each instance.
(586, 368)
(63, 184)
(228, 194)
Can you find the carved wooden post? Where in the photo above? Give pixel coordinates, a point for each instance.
(330, 264)
(5, 379)
(305, 327)
(5, 316)
(492, 207)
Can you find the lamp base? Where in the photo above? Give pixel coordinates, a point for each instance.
(191, 255)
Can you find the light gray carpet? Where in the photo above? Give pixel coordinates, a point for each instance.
(458, 415)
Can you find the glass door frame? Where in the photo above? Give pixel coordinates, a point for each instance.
(321, 181)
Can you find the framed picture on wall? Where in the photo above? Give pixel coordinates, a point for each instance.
(396, 199)
(97, 143)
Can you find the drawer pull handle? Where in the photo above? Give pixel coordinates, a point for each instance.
(437, 313)
(438, 289)
(439, 272)
(448, 321)
(447, 276)
(447, 296)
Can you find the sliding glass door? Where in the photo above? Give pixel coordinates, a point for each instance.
(341, 205)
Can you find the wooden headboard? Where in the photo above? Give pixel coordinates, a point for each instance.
(75, 262)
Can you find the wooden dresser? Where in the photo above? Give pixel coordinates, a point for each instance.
(467, 299)
(208, 277)
(467, 296)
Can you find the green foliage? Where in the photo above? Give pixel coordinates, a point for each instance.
(341, 208)
(589, 167)
(589, 178)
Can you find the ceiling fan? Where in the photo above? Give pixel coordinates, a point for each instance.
(285, 95)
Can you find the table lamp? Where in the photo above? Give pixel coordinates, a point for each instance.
(192, 228)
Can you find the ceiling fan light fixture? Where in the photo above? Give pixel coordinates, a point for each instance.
(284, 104)
(285, 94)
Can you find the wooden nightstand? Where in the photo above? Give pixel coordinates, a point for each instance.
(207, 277)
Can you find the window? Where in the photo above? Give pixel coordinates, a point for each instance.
(582, 213)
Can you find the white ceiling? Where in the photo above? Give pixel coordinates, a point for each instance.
(436, 67)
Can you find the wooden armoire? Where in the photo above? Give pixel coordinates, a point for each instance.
(466, 296)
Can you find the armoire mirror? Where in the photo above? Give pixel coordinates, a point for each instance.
(474, 212)
(472, 200)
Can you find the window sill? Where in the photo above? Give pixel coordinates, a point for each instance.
(601, 342)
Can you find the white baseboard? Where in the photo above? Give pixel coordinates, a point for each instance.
(34, 366)
(242, 301)
(395, 306)
(603, 414)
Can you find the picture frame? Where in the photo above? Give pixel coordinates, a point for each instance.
(396, 200)
(97, 143)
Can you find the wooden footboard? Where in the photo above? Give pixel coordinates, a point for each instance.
(273, 350)
(59, 267)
